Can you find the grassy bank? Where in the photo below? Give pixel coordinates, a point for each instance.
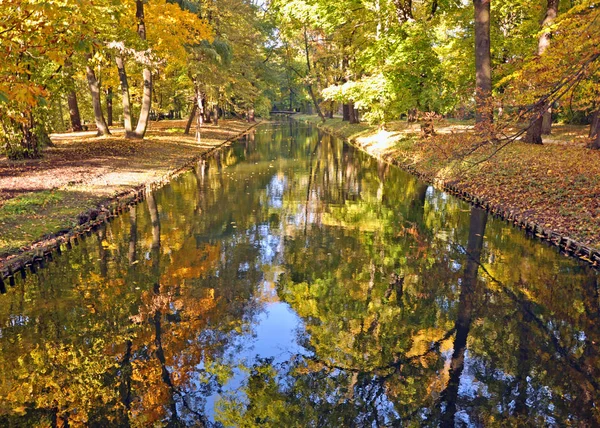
(82, 173)
(555, 186)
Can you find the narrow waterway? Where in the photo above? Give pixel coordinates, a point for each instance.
(293, 281)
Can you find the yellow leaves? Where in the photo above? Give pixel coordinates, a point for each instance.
(108, 245)
(170, 28)
(20, 410)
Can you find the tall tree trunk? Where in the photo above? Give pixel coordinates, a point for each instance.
(142, 125)
(74, 111)
(95, 91)
(109, 106)
(309, 84)
(466, 304)
(72, 99)
(595, 131)
(125, 97)
(216, 115)
(483, 64)
(542, 123)
(199, 116)
(549, 18)
(188, 126)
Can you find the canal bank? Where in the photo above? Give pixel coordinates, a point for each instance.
(551, 191)
(293, 277)
(86, 180)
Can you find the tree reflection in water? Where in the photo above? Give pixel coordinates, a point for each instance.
(291, 280)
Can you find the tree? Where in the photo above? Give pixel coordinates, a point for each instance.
(142, 124)
(95, 92)
(542, 123)
(483, 65)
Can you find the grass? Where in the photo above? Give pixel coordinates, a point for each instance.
(43, 197)
(33, 216)
(28, 203)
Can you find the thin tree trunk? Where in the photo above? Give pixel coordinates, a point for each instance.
(200, 116)
(216, 115)
(72, 99)
(542, 123)
(142, 125)
(310, 88)
(483, 64)
(188, 126)
(126, 98)
(95, 91)
(74, 111)
(109, 106)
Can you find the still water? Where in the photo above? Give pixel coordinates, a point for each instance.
(292, 281)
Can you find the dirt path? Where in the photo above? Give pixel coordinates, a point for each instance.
(41, 197)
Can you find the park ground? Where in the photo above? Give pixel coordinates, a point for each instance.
(555, 185)
(44, 197)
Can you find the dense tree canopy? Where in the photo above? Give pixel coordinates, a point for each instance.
(375, 59)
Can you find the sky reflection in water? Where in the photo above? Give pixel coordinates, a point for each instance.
(291, 280)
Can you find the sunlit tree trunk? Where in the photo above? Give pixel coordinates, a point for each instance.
(483, 64)
(250, 116)
(200, 115)
(142, 124)
(125, 97)
(353, 114)
(95, 91)
(190, 121)
(542, 123)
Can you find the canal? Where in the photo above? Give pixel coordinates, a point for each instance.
(292, 281)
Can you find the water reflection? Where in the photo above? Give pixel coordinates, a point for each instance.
(291, 280)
